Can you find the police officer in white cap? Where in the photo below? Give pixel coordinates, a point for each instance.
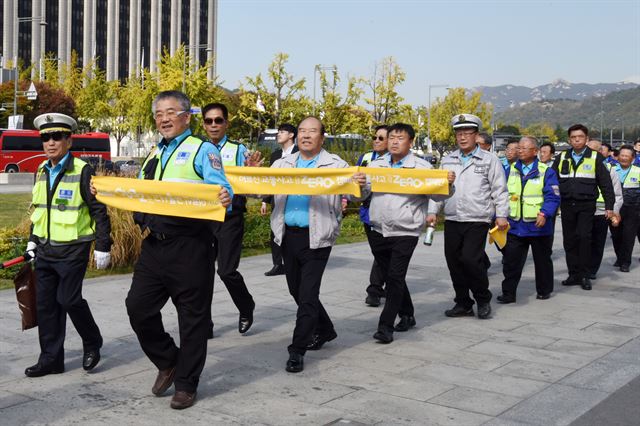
(66, 219)
(480, 194)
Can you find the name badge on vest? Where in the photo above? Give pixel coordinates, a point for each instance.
(228, 156)
(481, 169)
(587, 167)
(535, 180)
(182, 158)
(65, 194)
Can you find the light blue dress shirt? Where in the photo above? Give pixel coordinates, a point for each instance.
(577, 157)
(466, 157)
(55, 170)
(622, 173)
(296, 210)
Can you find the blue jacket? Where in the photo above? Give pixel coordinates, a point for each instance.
(551, 195)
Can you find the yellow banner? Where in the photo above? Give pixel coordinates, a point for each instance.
(271, 181)
(408, 181)
(197, 201)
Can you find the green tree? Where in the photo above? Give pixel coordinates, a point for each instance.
(456, 102)
(542, 131)
(93, 101)
(342, 114)
(383, 98)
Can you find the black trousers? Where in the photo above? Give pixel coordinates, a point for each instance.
(304, 268)
(376, 277)
(598, 241)
(515, 256)
(228, 248)
(276, 251)
(624, 235)
(577, 223)
(393, 254)
(59, 292)
(179, 268)
(464, 250)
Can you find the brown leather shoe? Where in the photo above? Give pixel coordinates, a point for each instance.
(182, 400)
(163, 381)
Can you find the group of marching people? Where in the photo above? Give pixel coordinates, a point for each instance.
(178, 253)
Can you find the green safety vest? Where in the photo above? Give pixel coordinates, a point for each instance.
(633, 178)
(67, 220)
(180, 167)
(586, 169)
(600, 200)
(229, 153)
(525, 202)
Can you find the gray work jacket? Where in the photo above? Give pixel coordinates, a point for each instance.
(394, 215)
(480, 189)
(325, 211)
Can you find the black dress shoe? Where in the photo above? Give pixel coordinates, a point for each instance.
(276, 270)
(585, 284)
(182, 400)
(384, 336)
(244, 323)
(406, 322)
(40, 370)
(484, 310)
(624, 268)
(543, 296)
(319, 340)
(90, 359)
(372, 300)
(505, 300)
(459, 311)
(295, 364)
(592, 276)
(571, 281)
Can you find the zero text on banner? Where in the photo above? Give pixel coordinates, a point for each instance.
(272, 181)
(408, 181)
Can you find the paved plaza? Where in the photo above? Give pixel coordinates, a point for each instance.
(536, 362)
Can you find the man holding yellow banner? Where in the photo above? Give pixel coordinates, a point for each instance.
(306, 227)
(175, 261)
(397, 220)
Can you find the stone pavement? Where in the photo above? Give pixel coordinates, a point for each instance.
(536, 362)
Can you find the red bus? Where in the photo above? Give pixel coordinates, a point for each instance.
(21, 150)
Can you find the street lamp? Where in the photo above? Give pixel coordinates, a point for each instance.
(316, 70)
(432, 86)
(16, 45)
(197, 48)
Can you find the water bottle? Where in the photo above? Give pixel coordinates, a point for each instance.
(428, 236)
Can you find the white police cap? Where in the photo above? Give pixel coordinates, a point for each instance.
(55, 122)
(466, 120)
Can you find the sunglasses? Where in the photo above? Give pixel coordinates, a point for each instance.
(56, 136)
(378, 138)
(217, 120)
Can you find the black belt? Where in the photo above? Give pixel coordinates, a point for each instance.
(296, 228)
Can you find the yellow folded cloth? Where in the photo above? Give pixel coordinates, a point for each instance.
(498, 236)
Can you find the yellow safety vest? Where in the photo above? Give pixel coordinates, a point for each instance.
(525, 202)
(633, 178)
(67, 220)
(180, 166)
(229, 153)
(586, 169)
(600, 200)
(367, 158)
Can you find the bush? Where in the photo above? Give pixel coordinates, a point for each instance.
(13, 242)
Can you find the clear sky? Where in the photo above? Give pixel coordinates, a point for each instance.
(460, 43)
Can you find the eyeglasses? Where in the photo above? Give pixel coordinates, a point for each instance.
(56, 136)
(378, 138)
(169, 114)
(217, 120)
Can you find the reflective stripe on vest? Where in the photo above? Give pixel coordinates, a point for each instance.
(180, 167)
(586, 169)
(633, 178)
(67, 219)
(229, 153)
(525, 201)
(600, 200)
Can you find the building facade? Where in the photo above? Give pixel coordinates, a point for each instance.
(123, 36)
